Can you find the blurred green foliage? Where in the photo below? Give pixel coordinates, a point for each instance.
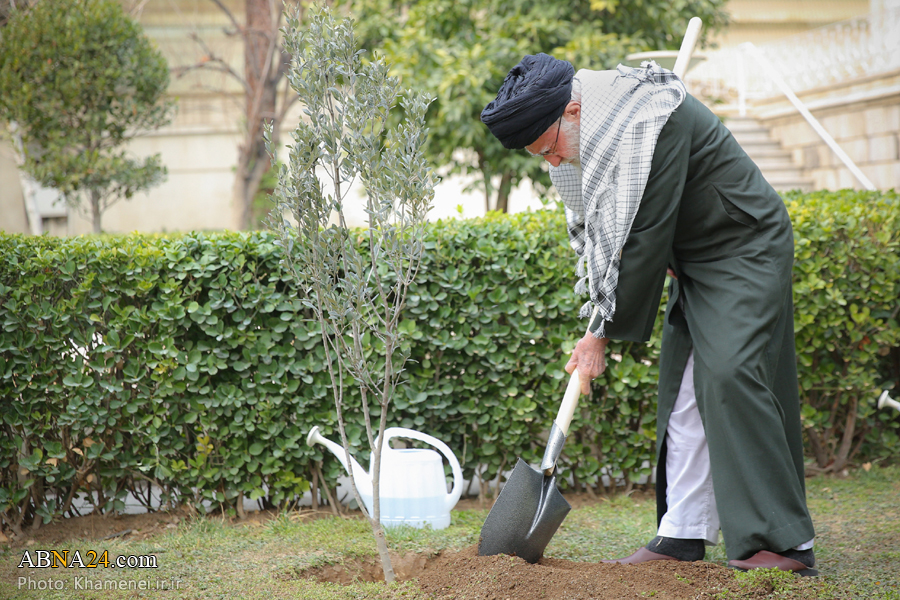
(846, 307)
(79, 79)
(459, 53)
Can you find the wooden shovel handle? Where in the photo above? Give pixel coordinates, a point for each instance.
(569, 403)
(573, 391)
(683, 59)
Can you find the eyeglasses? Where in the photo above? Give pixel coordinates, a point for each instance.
(551, 149)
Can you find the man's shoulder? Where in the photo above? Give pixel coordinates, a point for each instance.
(692, 113)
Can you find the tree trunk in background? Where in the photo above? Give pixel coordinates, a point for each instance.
(96, 213)
(843, 454)
(261, 47)
(504, 191)
(486, 179)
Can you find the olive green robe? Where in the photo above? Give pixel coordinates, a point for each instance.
(708, 213)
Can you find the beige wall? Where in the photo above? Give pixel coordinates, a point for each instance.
(196, 195)
(12, 210)
(760, 21)
(200, 146)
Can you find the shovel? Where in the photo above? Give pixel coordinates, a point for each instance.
(530, 508)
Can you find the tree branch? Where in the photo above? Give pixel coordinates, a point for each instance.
(237, 26)
(212, 62)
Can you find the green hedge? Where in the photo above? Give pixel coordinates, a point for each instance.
(189, 362)
(846, 306)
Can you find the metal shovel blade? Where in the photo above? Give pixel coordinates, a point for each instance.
(525, 516)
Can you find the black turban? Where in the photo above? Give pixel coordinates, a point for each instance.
(533, 95)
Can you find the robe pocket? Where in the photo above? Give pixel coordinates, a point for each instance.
(736, 205)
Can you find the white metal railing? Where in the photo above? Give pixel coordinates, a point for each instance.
(771, 71)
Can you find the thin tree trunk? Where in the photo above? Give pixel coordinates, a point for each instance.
(95, 211)
(381, 543)
(504, 191)
(483, 486)
(377, 529)
(486, 177)
(332, 502)
(818, 447)
(260, 47)
(496, 492)
(841, 457)
(239, 506)
(315, 491)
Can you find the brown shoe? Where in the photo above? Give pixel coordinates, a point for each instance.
(641, 556)
(769, 560)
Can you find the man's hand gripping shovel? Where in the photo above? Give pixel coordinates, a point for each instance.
(530, 508)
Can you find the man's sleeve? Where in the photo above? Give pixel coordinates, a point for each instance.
(642, 269)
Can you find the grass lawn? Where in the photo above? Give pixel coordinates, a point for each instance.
(857, 548)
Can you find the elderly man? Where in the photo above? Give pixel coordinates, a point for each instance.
(653, 182)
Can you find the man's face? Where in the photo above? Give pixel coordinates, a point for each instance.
(559, 144)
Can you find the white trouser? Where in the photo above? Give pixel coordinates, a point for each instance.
(691, 503)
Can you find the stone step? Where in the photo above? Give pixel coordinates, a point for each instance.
(777, 164)
(790, 173)
(742, 124)
(752, 136)
(789, 183)
(774, 163)
(760, 148)
(782, 171)
(777, 154)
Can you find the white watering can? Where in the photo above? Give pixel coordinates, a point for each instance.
(413, 488)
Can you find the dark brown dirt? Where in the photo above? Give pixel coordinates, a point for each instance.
(98, 527)
(467, 575)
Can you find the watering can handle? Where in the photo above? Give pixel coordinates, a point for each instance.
(456, 491)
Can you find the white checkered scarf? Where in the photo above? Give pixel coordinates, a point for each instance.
(620, 123)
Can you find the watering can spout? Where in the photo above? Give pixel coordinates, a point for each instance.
(886, 400)
(361, 477)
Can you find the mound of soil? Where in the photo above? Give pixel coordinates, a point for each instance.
(464, 574)
(467, 575)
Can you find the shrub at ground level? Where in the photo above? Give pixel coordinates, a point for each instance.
(188, 364)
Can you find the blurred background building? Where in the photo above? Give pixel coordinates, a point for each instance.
(840, 57)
